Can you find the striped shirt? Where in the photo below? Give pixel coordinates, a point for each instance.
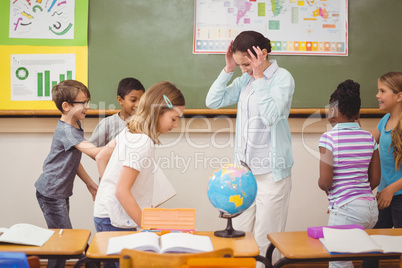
(352, 149)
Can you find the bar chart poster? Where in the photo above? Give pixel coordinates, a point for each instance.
(34, 75)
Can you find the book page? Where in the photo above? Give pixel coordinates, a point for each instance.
(389, 243)
(183, 242)
(26, 234)
(348, 241)
(163, 189)
(146, 241)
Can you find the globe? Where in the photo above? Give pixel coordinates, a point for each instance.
(231, 189)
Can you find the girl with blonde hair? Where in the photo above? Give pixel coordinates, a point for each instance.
(127, 178)
(388, 135)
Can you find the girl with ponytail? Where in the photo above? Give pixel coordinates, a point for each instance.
(388, 135)
(127, 163)
(349, 164)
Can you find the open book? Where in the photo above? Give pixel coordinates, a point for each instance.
(167, 243)
(358, 241)
(25, 234)
(163, 189)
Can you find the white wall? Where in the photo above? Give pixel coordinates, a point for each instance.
(25, 143)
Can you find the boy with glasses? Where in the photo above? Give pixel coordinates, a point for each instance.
(55, 184)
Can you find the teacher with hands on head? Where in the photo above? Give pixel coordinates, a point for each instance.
(264, 95)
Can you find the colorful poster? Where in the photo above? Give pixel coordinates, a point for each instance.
(42, 42)
(31, 65)
(34, 75)
(42, 19)
(295, 27)
(23, 23)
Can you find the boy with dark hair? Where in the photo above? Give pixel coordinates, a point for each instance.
(129, 93)
(55, 184)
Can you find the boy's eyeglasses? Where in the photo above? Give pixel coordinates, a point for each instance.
(83, 103)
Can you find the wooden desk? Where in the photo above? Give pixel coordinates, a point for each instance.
(245, 246)
(297, 247)
(71, 244)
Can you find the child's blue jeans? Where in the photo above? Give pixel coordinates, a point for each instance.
(362, 212)
(104, 225)
(56, 213)
(388, 217)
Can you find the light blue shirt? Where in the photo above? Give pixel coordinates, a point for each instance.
(263, 138)
(388, 173)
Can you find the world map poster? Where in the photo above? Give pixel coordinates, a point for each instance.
(295, 27)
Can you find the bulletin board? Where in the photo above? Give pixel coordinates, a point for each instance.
(41, 44)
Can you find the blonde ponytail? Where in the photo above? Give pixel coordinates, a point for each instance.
(396, 135)
(394, 81)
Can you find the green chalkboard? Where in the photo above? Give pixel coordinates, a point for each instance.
(152, 40)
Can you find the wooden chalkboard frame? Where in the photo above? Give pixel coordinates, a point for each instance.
(364, 112)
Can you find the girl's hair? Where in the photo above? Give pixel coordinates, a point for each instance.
(157, 100)
(247, 39)
(347, 95)
(393, 80)
(67, 91)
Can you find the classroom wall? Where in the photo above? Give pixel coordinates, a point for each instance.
(203, 143)
(152, 41)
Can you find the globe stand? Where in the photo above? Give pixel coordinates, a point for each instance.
(229, 232)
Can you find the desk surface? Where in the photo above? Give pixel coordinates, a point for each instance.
(245, 246)
(70, 243)
(298, 245)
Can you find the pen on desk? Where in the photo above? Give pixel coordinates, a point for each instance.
(61, 231)
(150, 230)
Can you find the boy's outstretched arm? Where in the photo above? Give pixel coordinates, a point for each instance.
(102, 158)
(88, 148)
(91, 185)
